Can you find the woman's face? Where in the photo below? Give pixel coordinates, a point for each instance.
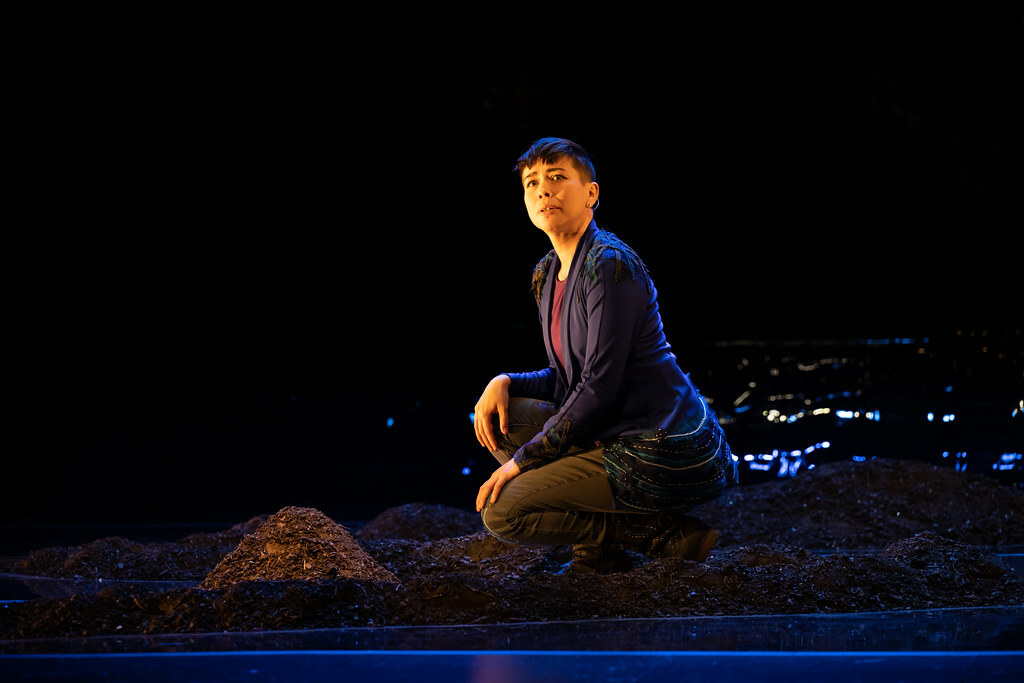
(558, 198)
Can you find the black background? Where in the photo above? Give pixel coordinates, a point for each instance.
(260, 237)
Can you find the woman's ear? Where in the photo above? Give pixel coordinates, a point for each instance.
(592, 195)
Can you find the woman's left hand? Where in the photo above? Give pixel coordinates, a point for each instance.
(492, 486)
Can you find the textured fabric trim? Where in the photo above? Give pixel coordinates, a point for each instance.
(666, 471)
(626, 262)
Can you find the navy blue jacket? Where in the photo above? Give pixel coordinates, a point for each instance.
(620, 376)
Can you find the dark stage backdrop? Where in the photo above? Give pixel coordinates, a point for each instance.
(278, 260)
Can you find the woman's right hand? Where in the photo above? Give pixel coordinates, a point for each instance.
(493, 400)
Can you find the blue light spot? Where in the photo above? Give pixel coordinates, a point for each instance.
(465, 471)
(391, 422)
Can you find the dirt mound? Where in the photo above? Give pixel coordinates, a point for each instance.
(116, 558)
(850, 505)
(296, 544)
(421, 522)
(944, 561)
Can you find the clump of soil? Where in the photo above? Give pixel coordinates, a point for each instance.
(480, 554)
(115, 558)
(848, 505)
(296, 543)
(913, 536)
(420, 522)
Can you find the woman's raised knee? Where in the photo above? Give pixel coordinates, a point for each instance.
(495, 519)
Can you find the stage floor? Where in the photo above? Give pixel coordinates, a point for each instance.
(523, 667)
(944, 644)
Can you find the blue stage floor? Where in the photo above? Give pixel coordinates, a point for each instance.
(526, 666)
(933, 645)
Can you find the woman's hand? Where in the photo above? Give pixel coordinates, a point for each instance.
(493, 400)
(492, 486)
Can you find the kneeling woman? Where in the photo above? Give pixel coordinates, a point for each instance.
(609, 446)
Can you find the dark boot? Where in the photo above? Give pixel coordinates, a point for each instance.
(598, 559)
(691, 539)
(666, 535)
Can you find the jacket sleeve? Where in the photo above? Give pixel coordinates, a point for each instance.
(539, 384)
(615, 308)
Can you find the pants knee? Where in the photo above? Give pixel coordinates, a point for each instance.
(495, 520)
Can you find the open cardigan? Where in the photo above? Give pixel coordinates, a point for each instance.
(620, 376)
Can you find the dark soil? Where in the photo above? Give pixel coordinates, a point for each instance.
(846, 537)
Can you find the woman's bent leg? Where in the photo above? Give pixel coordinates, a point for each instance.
(526, 417)
(570, 502)
(566, 502)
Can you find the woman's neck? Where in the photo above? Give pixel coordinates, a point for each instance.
(565, 247)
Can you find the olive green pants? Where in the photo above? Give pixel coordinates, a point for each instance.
(566, 502)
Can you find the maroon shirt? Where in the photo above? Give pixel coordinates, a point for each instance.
(556, 320)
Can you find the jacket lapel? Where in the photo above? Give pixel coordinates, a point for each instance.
(568, 303)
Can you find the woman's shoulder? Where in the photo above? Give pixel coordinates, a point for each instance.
(608, 252)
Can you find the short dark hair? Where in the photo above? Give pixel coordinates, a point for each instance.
(550, 149)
